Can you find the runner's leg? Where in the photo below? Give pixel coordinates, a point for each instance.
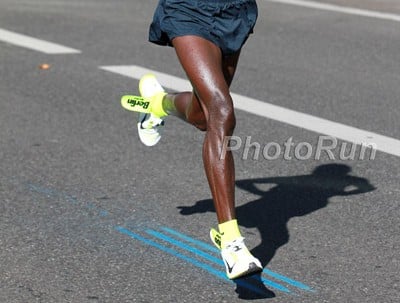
(203, 63)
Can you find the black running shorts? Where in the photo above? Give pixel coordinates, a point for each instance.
(226, 23)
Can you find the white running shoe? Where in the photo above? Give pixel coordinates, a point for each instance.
(149, 123)
(149, 126)
(237, 258)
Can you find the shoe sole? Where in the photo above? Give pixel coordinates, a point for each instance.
(135, 104)
(253, 269)
(149, 86)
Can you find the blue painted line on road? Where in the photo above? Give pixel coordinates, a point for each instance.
(208, 268)
(102, 213)
(189, 248)
(209, 257)
(287, 280)
(214, 249)
(201, 244)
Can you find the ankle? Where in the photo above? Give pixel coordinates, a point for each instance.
(157, 107)
(229, 231)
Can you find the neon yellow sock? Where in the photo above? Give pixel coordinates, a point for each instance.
(157, 105)
(229, 231)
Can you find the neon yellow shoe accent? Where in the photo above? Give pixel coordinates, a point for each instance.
(229, 231)
(149, 87)
(156, 105)
(215, 237)
(136, 104)
(139, 104)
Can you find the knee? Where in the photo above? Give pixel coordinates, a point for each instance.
(217, 114)
(221, 115)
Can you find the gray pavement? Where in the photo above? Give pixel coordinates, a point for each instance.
(87, 213)
(386, 6)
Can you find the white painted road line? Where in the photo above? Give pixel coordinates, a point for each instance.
(35, 44)
(341, 131)
(341, 9)
(136, 72)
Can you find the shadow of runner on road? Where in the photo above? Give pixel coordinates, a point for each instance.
(289, 197)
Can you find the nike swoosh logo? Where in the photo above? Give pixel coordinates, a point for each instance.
(230, 268)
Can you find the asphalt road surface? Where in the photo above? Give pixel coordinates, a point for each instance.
(88, 214)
